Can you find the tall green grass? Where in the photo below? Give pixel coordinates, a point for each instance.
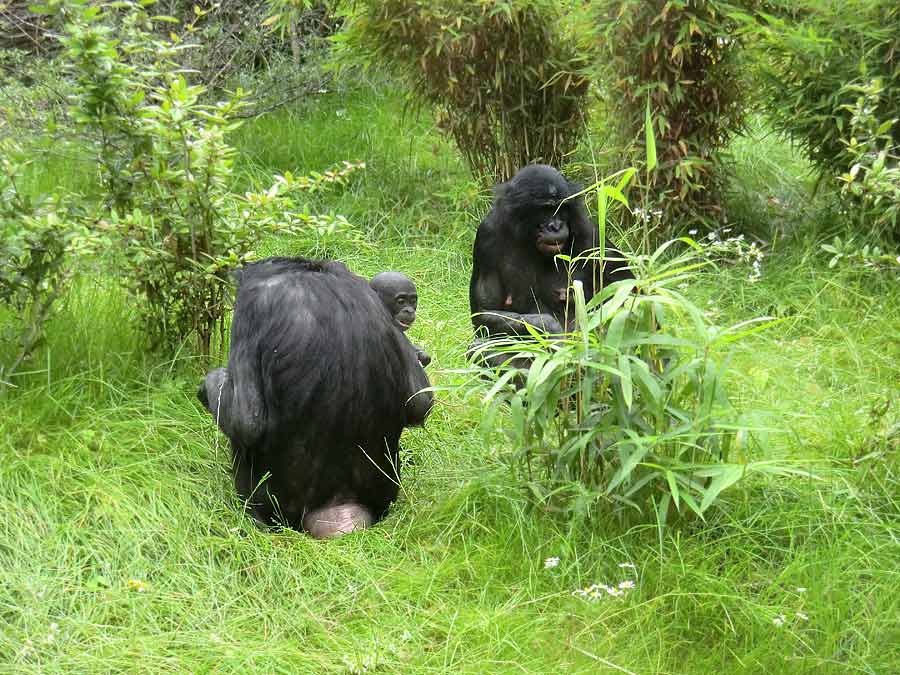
(124, 550)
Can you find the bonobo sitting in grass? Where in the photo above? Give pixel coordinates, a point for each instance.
(516, 278)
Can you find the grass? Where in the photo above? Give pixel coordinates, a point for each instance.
(124, 550)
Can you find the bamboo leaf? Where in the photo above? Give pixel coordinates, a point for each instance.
(649, 138)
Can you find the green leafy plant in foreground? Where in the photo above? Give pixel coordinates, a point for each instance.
(630, 405)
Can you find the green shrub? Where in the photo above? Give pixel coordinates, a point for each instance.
(807, 56)
(681, 56)
(501, 74)
(40, 240)
(872, 181)
(166, 167)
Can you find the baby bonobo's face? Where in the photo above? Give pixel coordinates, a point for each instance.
(398, 294)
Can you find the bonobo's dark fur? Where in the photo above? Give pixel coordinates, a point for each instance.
(515, 278)
(319, 385)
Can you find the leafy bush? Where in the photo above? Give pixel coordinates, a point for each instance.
(873, 179)
(166, 165)
(501, 74)
(631, 406)
(681, 57)
(809, 52)
(39, 240)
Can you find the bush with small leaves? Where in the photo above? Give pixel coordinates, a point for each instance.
(40, 241)
(872, 181)
(808, 52)
(166, 167)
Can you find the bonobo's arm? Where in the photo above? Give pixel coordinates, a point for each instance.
(423, 356)
(248, 412)
(217, 393)
(488, 302)
(419, 404)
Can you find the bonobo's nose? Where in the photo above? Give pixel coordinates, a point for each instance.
(555, 225)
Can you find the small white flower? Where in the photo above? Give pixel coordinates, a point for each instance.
(779, 620)
(626, 585)
(692, 232)
(550, 563)
(801, 589)
(802, 616)
(628, 564)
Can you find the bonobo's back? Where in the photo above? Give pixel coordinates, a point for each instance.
(325, 347)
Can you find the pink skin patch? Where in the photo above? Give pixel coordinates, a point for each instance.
(508, 301)
(333, 521)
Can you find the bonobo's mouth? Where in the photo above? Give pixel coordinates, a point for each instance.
(548, 248)
(403, 325)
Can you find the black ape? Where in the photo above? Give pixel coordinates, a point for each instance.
(515, 278)
(319, 385)
(398, 293)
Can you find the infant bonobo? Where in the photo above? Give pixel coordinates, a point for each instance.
(398, 293)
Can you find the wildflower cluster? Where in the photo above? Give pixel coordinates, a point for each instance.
(598, 591)
(647, 215)
(779, 620)
(733, 249)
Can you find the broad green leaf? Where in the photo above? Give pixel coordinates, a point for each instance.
(625, 380)
(726, 476)
(650, 140)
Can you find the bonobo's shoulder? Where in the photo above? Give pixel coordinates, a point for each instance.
(489, 227)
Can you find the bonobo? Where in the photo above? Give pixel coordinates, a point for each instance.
(320, 383)
(515, 276)
(398, 293)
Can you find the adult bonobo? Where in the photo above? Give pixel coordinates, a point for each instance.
(398, 293)
(515, 278)
(320, 383)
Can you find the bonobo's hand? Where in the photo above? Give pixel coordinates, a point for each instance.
(423, 356)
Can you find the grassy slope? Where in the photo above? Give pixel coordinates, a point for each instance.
(122, 548)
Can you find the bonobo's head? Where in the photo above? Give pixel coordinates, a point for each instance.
(398, 294)
(534, 199)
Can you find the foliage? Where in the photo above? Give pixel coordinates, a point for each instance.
(501, 75)
(867, 256)
(166, 167)
(873, 180)
(680, 58)
(39, 242)
(809, 52)
(631, 405)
